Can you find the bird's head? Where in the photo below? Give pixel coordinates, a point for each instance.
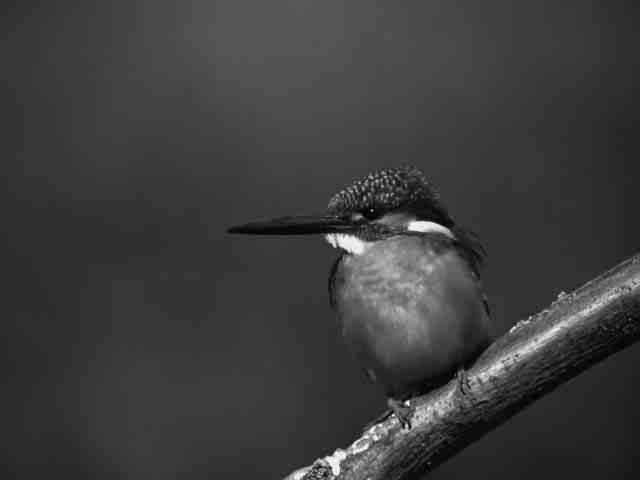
(382, 204)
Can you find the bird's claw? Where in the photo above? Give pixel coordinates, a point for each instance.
(402, 411)
(464, 387)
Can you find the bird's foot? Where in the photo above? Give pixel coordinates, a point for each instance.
(402, 410)
(464, 387)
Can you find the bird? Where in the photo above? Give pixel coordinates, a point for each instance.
(406, 285)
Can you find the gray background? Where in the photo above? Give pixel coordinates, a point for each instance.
(144, 342)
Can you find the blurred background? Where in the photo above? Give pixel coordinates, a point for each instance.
(144, 342)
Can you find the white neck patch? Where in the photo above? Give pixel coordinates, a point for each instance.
(349, 243)
(424, 227)
(357, 246)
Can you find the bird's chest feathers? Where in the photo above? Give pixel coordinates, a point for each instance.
(399, 276)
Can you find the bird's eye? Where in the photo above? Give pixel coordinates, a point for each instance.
(370, 213)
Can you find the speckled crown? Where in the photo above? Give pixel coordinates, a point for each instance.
(390, 189)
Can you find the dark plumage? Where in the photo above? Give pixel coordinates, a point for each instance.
(401, 190)
(406, 286)
(392, 189)
(411, 306)
(411, 310)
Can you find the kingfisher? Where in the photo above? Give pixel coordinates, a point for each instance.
(406, 285)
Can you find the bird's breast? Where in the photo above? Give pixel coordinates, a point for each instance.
(411, 309)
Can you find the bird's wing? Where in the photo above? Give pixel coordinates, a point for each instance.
(470, 247)
(474, 253)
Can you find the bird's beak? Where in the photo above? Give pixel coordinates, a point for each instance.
(296, 226)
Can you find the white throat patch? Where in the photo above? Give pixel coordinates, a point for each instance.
(357, 246)
(424, 227)
(349, 243)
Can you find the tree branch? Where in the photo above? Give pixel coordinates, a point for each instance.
(534, 357)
